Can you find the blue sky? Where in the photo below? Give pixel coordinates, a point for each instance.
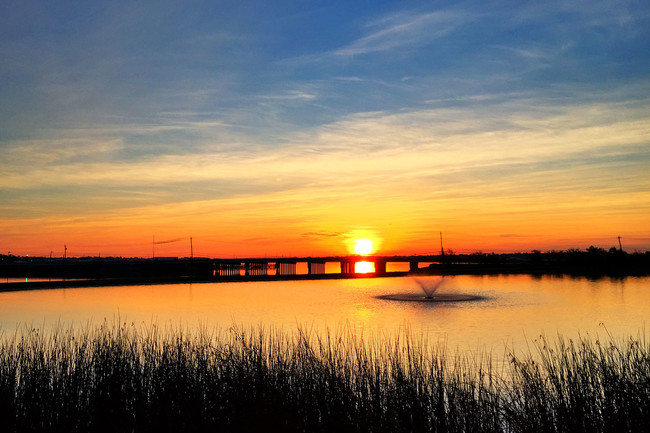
(112, 107)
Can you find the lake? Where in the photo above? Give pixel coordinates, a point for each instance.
(512, 309)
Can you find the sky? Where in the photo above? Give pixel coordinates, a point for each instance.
(292, 128)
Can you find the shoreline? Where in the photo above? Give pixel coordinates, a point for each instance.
(135, 281)
(432, 270)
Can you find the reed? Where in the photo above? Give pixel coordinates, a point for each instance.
(119, 378)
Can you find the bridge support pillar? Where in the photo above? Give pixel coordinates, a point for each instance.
(254, 268)
(227, 269)
(286, 268)
(347, 267)
(314, 268)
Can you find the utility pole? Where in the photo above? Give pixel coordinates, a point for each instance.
(442, 250)
(191, 258)
(620, 247)
(65, 252)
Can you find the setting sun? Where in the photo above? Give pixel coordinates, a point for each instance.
(363, 247)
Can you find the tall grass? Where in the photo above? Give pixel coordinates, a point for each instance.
(123, 378)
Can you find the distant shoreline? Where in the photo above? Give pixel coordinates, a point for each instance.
(117, 271)
(114, 282)
(431, 270)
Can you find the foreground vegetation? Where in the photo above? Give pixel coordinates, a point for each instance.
(123, 378)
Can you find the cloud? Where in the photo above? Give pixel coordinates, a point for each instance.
(321, 234)
(293, 95)
(512, 150)
(30, 154)
(394, 32)
(404, 29)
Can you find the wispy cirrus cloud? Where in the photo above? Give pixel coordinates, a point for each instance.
(395, 31)
(292, 95)
(368, 151)
(321, 234)
(405, 29)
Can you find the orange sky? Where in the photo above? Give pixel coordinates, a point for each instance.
(400, 218)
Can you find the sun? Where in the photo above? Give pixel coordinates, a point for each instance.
(363, 247)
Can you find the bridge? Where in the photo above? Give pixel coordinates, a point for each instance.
(342, 265)
(169, 269)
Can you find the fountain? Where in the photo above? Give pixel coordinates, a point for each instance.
(430, 286)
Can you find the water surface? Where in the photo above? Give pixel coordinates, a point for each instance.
(513, 309)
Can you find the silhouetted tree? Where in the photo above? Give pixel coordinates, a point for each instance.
(595, 250)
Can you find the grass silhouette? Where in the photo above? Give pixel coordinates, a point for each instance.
(124, 378)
